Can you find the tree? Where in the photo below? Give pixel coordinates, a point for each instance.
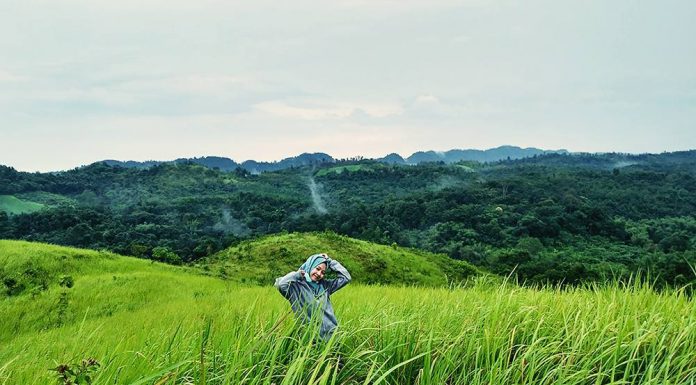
(164, 254)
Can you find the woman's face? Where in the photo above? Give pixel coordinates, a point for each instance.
(317, 274)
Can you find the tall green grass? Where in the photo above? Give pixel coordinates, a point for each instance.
(205, 332)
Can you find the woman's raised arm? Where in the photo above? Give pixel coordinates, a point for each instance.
(333, 285)
(283, 283)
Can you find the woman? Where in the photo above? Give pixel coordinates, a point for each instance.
(309, 293)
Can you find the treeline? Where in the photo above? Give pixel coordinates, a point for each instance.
(552, 218)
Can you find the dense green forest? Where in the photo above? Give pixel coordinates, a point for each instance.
(561, 218)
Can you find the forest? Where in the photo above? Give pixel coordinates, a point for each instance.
(554, 218)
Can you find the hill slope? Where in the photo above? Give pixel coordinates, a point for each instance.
(45, 286)
(263, 260)
(13, 205)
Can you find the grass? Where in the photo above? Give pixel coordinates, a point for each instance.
(153, 324)
(262, 260)
(46, 198)
(14, 205)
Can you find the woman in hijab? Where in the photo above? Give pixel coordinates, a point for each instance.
(309, 293)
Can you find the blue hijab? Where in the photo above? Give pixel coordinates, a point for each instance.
(309, 265)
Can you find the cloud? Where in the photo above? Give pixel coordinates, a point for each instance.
(191, 84)
(428, 106)
(284, 110)
(427, 100)
(6, 76)
(328, 111)
(410, 4)
(180, 94)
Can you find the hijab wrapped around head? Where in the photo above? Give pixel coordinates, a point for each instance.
(309, 265)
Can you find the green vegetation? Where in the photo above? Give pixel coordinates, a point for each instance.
(13, 205)
(261, 261)
(148, 323)
(34, 276)
(340, 169)
(50, 199)
(555, 218)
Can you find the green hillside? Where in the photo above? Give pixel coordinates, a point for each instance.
(13, 205)
(262, 260)
(349, 168)
(35, 276)
(150, 323)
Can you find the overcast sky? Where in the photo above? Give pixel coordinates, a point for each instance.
(86, 80)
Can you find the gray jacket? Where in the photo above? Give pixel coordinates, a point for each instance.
(305, 304)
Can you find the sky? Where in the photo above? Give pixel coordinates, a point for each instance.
(87, 80)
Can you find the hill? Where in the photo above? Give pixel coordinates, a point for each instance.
(147, 323)
(542, 214)
(683, 161)
(13, 205)
(316, 159)
(227, 164)
(45, 286)
(30, 268)
(489, 155)
(262, 260)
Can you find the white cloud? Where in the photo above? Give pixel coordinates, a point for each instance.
(328, 111)
(194, 84)
(6, 76)
(427, 99)
(283, 110)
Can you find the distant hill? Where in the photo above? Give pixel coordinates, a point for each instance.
(490, 155)
(226, 164)
(307, 159)
(301, 160)
(264, 259)
(392, 158)
(131, 163)
(669, 161)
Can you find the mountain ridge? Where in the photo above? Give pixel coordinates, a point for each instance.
(505, 152)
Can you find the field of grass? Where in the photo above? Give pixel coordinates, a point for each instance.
(154, 324)
(13, 205)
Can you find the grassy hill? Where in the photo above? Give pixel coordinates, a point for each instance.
(262, 260)
(13, 205)
(34, 278)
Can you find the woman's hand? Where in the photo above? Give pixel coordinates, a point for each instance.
(328, 261)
